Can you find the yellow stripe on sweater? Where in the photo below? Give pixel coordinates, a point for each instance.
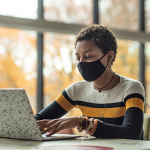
(135, 102)
(107, 112)
(63, 102)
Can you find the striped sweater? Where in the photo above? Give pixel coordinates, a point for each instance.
(122, 107)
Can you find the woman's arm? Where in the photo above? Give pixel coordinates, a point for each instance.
(132, 124)
(57, 109)
(131, 128)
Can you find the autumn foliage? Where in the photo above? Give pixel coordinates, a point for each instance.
(18, 54)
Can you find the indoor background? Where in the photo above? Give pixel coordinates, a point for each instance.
(37, 43)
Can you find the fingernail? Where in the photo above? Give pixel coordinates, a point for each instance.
(48, 135)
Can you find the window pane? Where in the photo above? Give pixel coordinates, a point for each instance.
(69, 11)
(19, 8)
(119, 14)
(147, 15)
(147, 54)
(59, 66)
(127, 59)
(18, 61)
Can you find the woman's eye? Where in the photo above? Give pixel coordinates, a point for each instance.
(89, 57)
(78, 59)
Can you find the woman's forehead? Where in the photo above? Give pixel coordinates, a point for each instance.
(86, 46)
(85, 43)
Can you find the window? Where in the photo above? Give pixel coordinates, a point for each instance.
(119, 14)
(72, 11)
(18, 47)
(147, 73)
(127, 59)
(147, 16)
(59, 65)
(20, 9)
(18, 61)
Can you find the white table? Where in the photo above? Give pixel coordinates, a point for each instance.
(117, 144)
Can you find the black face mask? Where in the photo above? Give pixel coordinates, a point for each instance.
(90, 71)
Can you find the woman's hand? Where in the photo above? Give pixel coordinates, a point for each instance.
(55, 125)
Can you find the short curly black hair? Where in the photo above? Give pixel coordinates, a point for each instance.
(101, 36)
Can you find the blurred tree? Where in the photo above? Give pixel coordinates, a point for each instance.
(62, 47)
(72, 11)
(147, 16)
(17, 50)
(126, 63)
(120, 14)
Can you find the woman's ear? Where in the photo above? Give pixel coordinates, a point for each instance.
(110, 56)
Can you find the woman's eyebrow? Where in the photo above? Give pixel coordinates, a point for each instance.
(85, 52)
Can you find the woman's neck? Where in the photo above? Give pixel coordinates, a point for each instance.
(105, 78)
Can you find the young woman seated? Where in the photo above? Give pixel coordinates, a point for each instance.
(111, 104)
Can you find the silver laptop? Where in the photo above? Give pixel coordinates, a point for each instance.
(17, 119)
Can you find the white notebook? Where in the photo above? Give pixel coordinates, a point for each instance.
(17, 119)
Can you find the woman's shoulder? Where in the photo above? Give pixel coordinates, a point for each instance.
(132, 86)
(130, 82)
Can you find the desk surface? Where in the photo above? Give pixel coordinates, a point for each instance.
(116, 144)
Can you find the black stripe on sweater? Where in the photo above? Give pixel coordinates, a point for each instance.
(134, 95)
(64, 93)
(108, 105)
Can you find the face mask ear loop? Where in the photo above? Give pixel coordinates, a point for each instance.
(102, 56)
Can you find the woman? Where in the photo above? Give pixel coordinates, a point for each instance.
(112, 105)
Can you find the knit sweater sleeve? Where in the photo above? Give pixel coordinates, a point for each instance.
(133, 119)
(58, 108)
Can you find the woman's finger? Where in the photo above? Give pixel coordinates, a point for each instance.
(48, 130)
(42, 121)
(60, 127)
(51, 133)
(54, 131)
(52, 127)
(48, 124)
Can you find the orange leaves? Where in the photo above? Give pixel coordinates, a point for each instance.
(127, 59)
